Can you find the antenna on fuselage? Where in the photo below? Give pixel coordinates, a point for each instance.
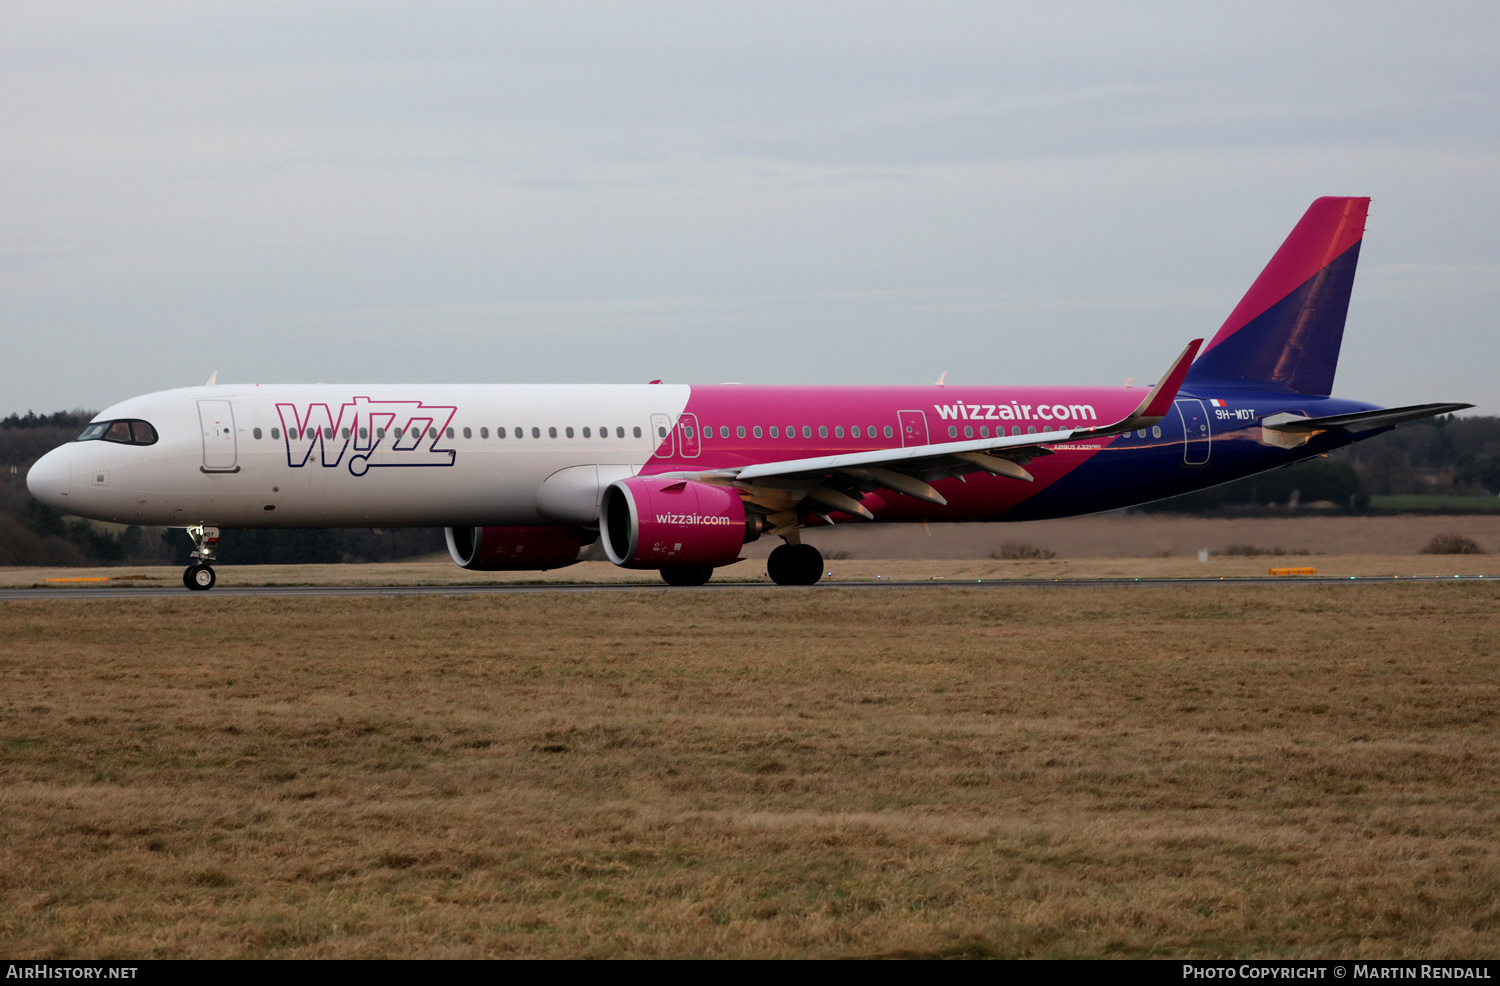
(213, 378)
(942, 378)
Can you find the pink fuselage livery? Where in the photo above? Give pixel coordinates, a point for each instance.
(262, 476)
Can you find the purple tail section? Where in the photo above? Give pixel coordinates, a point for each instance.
(1285, 333)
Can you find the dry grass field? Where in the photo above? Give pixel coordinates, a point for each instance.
(1280, 770)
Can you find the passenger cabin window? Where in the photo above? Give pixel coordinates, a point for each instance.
(637, 431)
(467, 433)
(551, 432)
(536, 432)
(723, 431)
(343, 432)
(775, 432)
(364, 433)
(276, 433)
(854, 431)
(806, 431)
(256, 432)
(586, 432)
(757, 431)
(953, 431)
(888, 432)
(568, 431)
(822, 431)
(620, 432)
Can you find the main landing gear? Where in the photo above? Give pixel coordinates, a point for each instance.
(795, 564)
(200, 575)
(687, 574)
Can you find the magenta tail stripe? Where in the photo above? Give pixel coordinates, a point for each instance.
(1330, 227)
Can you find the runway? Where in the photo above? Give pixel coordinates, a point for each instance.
(319, 591)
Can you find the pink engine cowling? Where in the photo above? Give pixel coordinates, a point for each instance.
(666, 523)
(514, 549)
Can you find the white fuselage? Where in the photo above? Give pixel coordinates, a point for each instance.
(331, 456)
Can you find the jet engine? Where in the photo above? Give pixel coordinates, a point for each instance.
(516, 549)
(646, 522)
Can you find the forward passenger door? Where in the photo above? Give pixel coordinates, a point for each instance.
(220, 445)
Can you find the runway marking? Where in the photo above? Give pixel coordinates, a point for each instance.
(156, 592)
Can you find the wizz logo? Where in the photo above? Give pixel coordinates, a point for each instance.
(370, 433)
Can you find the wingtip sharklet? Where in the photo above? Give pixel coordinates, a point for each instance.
(1159, 400)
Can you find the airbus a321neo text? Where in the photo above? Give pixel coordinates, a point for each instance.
(678, 478)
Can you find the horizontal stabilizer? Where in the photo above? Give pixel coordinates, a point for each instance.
(1366, 420)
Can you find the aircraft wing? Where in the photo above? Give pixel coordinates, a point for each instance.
(833, 482)
(1365, 420)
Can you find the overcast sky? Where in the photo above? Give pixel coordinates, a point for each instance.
(701, 192)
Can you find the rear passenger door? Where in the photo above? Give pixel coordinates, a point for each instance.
(1197, 439)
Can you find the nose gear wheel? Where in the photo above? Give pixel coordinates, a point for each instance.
(199, 577)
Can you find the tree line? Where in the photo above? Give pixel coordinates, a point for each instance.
(1446, 455)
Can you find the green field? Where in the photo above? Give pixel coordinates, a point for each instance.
(1447, 504)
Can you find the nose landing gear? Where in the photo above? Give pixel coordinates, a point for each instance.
(200, 575)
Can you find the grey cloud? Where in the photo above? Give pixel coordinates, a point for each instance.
(759, 192)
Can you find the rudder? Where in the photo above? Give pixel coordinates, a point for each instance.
(1286, 331)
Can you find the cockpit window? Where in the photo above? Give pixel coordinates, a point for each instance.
(123, 432)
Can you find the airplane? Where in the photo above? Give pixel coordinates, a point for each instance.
(679, 478)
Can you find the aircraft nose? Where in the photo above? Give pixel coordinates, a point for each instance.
(50, 478)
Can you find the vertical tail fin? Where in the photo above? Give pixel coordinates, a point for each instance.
(1286, 331)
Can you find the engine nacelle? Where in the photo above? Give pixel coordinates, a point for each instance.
(516, 549)
(664, 523)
